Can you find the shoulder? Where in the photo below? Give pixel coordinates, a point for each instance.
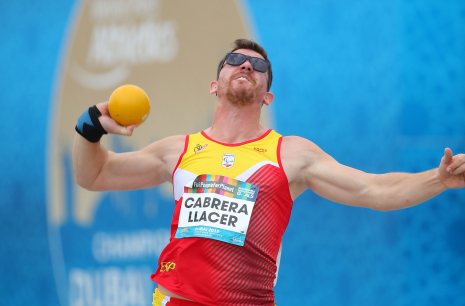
(298, 155)
(295, 140)
(172, 144)
(164, 154)
(177, 140)
(294, 146)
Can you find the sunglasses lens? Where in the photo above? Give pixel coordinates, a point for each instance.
(259, 64)
(235, 59)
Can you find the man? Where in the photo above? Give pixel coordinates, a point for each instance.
(234, 185)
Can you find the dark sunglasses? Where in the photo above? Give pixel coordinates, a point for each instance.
(236, 59)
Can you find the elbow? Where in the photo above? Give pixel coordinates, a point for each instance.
(381, 205)
(376, 205)
(382, 201)
(381, 208)
(83, 183)
(374, 195)
(375, 201)
(365, 197)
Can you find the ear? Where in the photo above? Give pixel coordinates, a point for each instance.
(269, 97)
(214, 87)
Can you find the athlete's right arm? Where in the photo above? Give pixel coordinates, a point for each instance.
(97, 169)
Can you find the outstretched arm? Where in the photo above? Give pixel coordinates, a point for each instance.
(307, 166)
(98, 169)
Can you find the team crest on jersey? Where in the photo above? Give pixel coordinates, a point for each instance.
(228, 160)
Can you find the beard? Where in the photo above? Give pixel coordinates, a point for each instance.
(240, 96)
(237, 95)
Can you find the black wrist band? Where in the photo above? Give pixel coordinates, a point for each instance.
(88, 125)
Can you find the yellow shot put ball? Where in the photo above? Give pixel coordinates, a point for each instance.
(128, 105)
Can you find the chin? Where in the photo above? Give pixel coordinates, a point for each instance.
(240, 96)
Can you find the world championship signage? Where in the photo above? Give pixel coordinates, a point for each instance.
(105, 245)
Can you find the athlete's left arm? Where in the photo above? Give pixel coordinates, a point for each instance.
(307, 166)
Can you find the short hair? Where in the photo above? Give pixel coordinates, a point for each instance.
(242, 43)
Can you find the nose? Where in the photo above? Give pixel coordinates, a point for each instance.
(247, 66)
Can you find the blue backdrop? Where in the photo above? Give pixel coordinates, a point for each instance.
(379, 85)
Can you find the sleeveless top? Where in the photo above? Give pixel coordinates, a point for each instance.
(232, 206)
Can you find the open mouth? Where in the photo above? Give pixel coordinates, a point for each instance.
(243, 77)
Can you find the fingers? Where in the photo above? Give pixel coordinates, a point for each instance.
(122, 130)
(103, 108)
(447, 156)
(459, 170)
(457, 166)
(127, 130)
(112, 127)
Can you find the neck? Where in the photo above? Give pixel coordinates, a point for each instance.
(235, 124)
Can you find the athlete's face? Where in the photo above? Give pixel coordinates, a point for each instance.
(242, 85)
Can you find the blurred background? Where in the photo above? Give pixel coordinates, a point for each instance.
(379, 85)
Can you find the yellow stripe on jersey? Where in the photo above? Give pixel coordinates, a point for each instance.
(157, 298)
(206, 156)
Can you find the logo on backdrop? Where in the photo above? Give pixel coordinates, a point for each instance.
(125, 34)
(105, 245)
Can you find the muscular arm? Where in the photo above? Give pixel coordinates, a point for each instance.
(307, 166)
(97, 169)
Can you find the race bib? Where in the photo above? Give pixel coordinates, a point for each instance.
(217, 207)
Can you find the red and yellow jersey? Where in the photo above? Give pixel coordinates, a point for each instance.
(232, 207)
